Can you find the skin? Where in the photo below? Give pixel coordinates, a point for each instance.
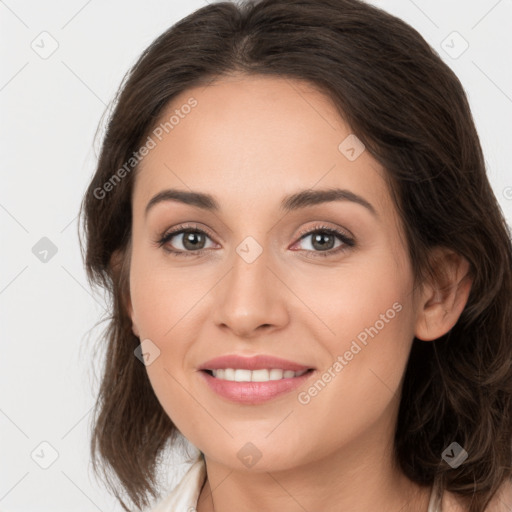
(249, 142)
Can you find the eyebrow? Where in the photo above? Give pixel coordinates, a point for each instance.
(296, 201)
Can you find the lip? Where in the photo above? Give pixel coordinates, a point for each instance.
(259, 362)
(251, 393)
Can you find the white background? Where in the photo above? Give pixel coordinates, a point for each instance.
(50, 110)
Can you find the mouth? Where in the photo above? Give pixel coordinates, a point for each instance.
(261, 375)
(252, 387)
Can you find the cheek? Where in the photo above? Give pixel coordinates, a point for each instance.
(160, 295)
(361, 292)
(160, 302)
(360, 384)
(367, 320)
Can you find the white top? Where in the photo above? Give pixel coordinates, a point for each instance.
(185, 495)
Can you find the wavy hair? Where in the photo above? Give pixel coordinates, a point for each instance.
(412, 114)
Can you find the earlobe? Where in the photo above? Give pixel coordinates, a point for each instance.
(443, 299)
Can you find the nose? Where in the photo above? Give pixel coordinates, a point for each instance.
(252, 298)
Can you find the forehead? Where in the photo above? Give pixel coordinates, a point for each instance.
(249, 137)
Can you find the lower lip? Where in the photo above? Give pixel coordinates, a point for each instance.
(254, 392)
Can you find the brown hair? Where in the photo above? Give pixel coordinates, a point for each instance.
(411, 112)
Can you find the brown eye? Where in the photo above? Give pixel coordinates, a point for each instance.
(193, 240)
(323, 240)
(184, 241)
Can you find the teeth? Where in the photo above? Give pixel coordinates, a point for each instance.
(255, 375)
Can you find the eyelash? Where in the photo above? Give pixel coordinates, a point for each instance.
(183, 228)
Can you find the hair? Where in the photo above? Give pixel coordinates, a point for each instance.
(410, 110)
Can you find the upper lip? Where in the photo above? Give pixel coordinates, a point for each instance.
(259, 362)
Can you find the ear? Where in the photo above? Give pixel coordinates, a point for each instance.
(444, 297)
(120, 263)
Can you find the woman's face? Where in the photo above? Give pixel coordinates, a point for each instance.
(341, 305)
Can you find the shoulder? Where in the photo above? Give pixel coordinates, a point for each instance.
(501, 502)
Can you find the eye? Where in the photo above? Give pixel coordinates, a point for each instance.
(191, 238)
(323, 240)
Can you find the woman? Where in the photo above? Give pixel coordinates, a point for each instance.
(311, 278)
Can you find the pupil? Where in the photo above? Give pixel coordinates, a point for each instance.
(319, 238)
(193, 239)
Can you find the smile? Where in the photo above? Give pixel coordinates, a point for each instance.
(262, 375)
